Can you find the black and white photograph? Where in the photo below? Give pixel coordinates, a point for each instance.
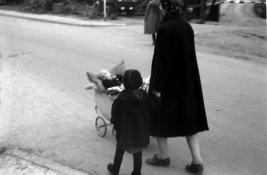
(133, 87)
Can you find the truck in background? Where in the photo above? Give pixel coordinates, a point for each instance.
(2, 2)
(131, 7)
(211, 9)
(119, 6)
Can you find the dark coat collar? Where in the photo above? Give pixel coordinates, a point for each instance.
(169, 17)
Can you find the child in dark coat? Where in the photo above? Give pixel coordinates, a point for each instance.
(130, 117)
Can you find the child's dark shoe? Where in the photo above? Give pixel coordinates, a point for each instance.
(134, 173)
(158, 162)
(110, 168)
(195, 168)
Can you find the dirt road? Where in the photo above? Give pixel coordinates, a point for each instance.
(239, 34)
(45, 109)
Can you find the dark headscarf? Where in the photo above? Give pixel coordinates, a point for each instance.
(172, 6)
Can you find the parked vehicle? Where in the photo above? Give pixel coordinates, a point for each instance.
(211, 9)
(2, 2)
(119, 6)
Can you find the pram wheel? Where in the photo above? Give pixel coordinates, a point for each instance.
(101, 126)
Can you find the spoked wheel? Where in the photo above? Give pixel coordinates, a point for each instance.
(101, 126)
(114, 136)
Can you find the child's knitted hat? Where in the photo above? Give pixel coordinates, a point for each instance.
(132, 79)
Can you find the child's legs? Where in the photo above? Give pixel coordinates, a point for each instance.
(137, 163)
(117, 160)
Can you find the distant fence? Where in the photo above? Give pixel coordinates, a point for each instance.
(214, 8)
(228, 1)
(241, 2)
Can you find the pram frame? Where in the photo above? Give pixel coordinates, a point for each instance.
(102, 121)
(103, 117)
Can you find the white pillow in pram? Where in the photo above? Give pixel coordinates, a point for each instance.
(119, 69)
(93, 78)
(100, 87)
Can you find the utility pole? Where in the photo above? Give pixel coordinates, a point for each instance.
(105, 13)
(203, 9)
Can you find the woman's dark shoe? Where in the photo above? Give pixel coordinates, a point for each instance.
(134, 173)
(197, 168)
(158, 162)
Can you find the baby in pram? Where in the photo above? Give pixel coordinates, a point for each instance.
(111, 84)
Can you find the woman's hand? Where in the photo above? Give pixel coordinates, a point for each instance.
(157, 94)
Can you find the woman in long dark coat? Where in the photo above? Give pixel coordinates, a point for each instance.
(175, 75)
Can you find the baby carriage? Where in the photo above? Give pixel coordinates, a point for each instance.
(104, 100)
